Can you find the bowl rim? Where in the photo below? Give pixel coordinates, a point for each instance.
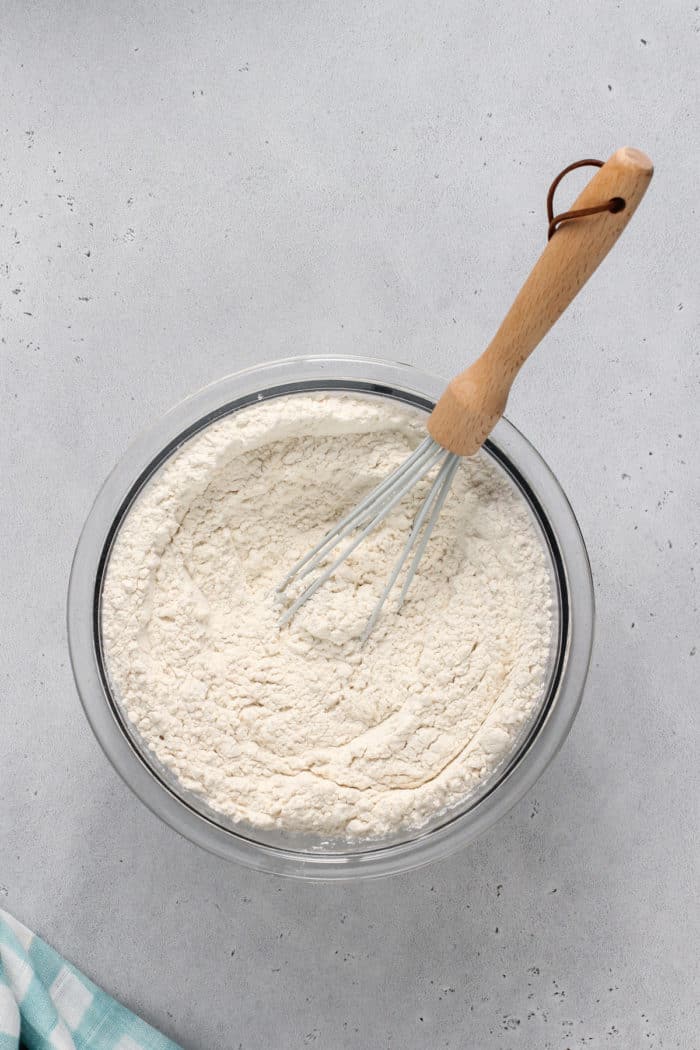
(156, 443)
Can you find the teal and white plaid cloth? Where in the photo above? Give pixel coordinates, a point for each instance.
(46, 1004)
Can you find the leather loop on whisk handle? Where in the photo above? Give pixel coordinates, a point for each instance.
(475, 400)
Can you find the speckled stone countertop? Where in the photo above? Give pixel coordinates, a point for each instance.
(189, 189)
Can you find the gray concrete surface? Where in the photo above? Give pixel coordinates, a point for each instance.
(189, 188)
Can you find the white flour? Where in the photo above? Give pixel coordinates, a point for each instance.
(299, 728)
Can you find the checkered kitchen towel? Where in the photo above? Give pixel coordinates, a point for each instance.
(46, 1004)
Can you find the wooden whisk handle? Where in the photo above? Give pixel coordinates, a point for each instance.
(475, 399)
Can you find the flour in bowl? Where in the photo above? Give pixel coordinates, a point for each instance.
(300, 728)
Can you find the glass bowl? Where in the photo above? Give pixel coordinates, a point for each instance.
(294, 855)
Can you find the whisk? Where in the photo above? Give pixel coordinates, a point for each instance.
(475, 399)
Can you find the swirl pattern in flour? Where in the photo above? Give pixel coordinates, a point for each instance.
(299, 728)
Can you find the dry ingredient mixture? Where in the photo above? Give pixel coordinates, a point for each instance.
(299, 728)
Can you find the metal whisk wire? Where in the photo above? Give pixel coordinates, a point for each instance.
(370, 513)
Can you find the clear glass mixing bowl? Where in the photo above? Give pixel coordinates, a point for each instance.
(295, 855)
